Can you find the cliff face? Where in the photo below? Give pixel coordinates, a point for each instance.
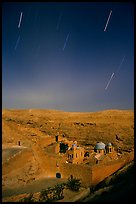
(115, 126)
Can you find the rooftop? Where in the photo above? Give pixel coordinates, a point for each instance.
(100, 145)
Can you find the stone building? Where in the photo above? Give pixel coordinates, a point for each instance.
(75, 154)
(99, 147)
(109, 148)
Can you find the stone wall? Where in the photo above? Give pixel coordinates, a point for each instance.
(80, 171)
(92, 175)
(101, 171)
(49, 165)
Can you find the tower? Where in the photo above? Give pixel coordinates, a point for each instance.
(109, 148)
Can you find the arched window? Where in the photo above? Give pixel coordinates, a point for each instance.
(86, 154)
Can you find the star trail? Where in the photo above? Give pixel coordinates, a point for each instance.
(45, 66)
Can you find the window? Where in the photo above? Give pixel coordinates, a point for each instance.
(81, 153)
(76, 155)
(72, 155)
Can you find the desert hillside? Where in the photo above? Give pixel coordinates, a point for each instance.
(116, 126)
(27, 135)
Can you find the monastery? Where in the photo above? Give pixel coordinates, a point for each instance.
(91, 164)
(75, 154)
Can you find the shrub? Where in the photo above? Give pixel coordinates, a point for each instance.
(28, 199)
(52, 194)
(44, 196)
(58, 194)
(73, 184)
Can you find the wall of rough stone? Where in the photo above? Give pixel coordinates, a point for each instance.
(92, 175)
(49, 165)
(101, 171)
(80, 171)
(89, 175)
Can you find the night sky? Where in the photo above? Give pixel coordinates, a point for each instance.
(60, 57)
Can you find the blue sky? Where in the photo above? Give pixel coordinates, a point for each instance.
(61, 58)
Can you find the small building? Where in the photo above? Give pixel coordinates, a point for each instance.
(75, 154)
(109, 148)
(99, 148)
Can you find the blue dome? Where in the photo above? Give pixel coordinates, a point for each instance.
(109, 144)
(74, 145)
(100, 145)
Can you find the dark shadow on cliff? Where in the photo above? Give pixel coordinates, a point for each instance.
(118, 188)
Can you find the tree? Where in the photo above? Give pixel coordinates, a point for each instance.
(73, 184)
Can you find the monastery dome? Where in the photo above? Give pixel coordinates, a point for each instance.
(100, 145)
(109, 144)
